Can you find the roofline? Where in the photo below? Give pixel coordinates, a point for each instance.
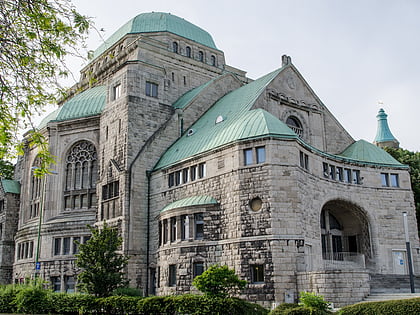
(288, 138)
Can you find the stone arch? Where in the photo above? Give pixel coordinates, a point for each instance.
(80, 175)
(293, 114)
(345, 231)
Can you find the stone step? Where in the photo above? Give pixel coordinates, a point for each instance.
(376, 297)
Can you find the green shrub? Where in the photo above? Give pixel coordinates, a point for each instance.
(32, 299)
(72, 303)
(311, 300)
(155, 305)
(303, 310)
(198, 305)
(118, 305)
(219, 281)
(395, 307)
(126, 291)
(279, 310)
(7, 298)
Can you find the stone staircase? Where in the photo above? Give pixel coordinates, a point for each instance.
(391, 287)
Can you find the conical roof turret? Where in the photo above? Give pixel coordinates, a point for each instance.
(384, 137)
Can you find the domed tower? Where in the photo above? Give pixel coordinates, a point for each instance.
(384, 137)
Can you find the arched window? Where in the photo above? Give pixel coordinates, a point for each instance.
(293, 123)
(175, 47)
(188, 51)
(81, 174)
(35, 191)
(213, 60)
(201, 56)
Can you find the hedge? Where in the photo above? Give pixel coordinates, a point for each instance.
(35, 299)
(394, 307)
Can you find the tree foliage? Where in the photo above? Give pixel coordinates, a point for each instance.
(411, 159)
(219, 281)
(103, 266)
(6, 169)
(35, 38)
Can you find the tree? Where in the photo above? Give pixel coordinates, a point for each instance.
(412, 159)
(6, 169)
(219, 281)
(102, 265)
(35, 38)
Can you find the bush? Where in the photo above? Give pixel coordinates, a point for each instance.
(219, 281)
(118, 305)
(279, 310)
(32, 299)
(303, 310)
(7, 298)
(395, 307)
(126, 291)
(198, 305)
(311, 300)
(74, 303)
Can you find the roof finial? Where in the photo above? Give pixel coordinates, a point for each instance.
(286, 60)
(384, 137)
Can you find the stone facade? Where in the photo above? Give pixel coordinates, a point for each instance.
(271, 191)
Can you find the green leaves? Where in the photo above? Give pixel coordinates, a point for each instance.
(103, 265)
(219, 281)
(35, 37)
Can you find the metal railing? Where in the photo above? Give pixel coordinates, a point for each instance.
(343, 260)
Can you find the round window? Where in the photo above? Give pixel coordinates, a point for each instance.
(255, 204)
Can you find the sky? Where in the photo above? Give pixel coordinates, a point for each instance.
(358, 56)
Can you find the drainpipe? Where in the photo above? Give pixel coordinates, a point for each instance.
(148, 175)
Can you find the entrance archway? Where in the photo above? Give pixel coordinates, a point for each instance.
(344, 232)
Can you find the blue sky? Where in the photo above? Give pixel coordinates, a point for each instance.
(352, 53)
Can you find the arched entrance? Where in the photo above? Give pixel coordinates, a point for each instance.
(345, 233)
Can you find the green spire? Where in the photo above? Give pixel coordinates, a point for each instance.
(384, 137)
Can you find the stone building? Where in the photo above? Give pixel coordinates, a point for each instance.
(196, 164)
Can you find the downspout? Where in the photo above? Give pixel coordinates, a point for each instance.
(148, 175)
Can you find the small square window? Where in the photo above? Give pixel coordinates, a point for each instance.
(260, 154)
(151, 89)
(116, 91)
(340, 174)
(171, 179)
(257, 273)
(56, 284)
(384, 179)
(66, 245)
(347, 175)
(248, 157)
(394, 180)
(57, 246)
(185, 227)
(173, 229)
(201, 170)
(198, 269)
(199, 226)
(172, 276)
(193, 172)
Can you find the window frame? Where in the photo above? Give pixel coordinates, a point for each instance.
(257, 273)
(152, 89)
(172, 275)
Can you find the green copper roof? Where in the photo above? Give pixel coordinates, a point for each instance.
(185, 99)
(191, 201)
(383, 134)
(51, 116)
(367, 152)
(88, 103)
(10, 186)
(158, 22)
(239, 122)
